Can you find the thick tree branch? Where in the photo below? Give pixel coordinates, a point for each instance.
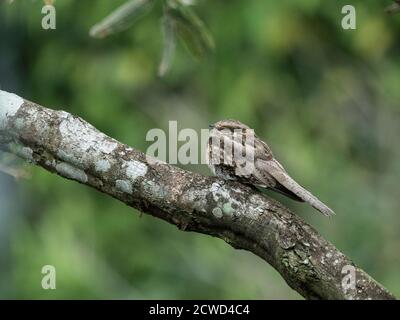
(72, 148)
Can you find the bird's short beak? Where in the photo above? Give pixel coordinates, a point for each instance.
(211, 126)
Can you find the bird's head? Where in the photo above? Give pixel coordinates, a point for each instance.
(229, 124)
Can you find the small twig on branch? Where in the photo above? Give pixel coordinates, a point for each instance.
(72, 148)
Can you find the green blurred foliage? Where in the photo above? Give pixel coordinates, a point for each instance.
(325, 99)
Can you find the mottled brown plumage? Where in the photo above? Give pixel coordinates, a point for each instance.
(236, 153)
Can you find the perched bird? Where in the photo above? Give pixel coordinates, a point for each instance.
(236, 153)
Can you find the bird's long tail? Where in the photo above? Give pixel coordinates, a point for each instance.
(276, 170)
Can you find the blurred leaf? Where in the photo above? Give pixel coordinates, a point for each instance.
(169, 34)
(15, 172)
(122, 18)
(393, 8)
(188, 2)
(191, 29)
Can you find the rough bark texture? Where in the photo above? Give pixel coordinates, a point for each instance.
(72, 148)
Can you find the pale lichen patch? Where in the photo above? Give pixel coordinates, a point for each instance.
(27, 153)
(124, 186)
(217, 212)
(91, 142)
(135, 169)
(227, 209)
(67, 157)
(24, 152)
(9, 106)
(221, 196)
(19, 123)
(196, 200)
(155, 189)
(71, 172)
(108, 146)
(102, 165)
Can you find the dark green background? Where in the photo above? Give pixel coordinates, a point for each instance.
(325, 99)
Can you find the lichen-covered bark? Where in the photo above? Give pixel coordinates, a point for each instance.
(72, 148)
